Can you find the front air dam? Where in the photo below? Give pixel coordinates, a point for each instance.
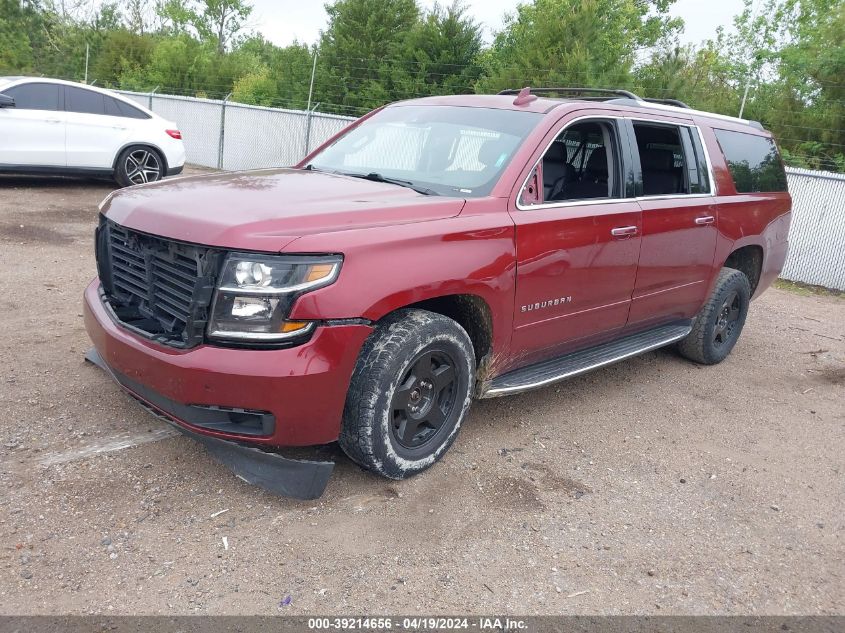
(300, 479)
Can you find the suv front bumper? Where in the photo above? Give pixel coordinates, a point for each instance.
(302, 389)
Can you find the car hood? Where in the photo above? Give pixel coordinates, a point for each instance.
(267, 209)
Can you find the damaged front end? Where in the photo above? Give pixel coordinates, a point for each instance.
(299, 479)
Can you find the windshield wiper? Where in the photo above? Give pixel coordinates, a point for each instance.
(376, 177)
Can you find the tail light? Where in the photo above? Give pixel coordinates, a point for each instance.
(174, 134)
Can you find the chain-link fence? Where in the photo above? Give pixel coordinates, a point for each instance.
(232, 135)
(817, 234)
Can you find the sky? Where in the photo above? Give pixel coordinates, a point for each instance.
(283, 21)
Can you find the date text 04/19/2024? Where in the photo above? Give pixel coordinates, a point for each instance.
(417, 623)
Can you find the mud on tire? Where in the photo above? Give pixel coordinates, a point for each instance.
(410, 391)
(719, 324)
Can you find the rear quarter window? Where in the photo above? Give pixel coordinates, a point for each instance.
(115, 107)
(754, 161)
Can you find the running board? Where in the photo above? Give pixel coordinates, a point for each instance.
(555, 369)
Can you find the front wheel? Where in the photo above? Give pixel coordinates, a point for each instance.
(409, 393)
(138, 165)
(719, 324)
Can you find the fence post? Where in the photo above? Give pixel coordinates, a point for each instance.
(308, 129)
(150, 104)
(222, 131)
(308, 107)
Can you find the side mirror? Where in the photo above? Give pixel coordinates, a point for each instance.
(6, 101)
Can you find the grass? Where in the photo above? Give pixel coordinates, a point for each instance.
(807, 290)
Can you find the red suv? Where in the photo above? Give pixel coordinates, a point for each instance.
(435, 251)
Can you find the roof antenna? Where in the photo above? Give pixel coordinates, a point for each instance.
(524, 97)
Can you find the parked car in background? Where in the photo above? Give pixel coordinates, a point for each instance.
(49, 126)
(435, 251)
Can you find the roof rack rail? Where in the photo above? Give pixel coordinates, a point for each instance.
(597, 95)
(621, 97)
(597, 91)
(671, 102)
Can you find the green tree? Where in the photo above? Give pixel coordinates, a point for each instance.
(442, 53)
(16, 19)
(289, 68)
(217, 21)
(574, 42)
(120, 52)
(360, 50)
(703, 78)
(257, 87)
(222, 21)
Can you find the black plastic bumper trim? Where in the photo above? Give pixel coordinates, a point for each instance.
(300, 479)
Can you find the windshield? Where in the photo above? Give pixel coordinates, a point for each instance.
(448, 150)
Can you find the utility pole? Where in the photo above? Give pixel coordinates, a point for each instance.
(86, 61)
(311, 88)
(308, 109)
(222, 131)
(750, 63)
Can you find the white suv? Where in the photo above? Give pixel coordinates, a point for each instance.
(54, 126)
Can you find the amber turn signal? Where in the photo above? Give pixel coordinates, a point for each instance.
(293, 326)
(319, 271)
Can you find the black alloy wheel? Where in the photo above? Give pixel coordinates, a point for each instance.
(727, 320)
(424, 400)
(717, 327)
(411, 389)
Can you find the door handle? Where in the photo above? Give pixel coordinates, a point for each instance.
(623, 231)
(53, 120)
(707, 219)
(118, 127)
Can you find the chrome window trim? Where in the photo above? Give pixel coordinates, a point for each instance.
(592, 201)
(552, 205)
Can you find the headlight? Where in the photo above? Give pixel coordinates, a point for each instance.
(256, 292)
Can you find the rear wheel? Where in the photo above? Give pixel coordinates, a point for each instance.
(137, 165)
(409, 393)
(719, 324)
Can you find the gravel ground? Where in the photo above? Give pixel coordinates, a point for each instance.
(653, 486)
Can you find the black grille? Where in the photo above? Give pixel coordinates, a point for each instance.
(158, 287)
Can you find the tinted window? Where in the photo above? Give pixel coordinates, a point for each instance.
(35, 96)
(753, 161)
(581, 163)
(664, 163)
(699, 172)
(84, 101)
(115, 107)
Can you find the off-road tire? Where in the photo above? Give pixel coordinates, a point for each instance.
(391, 369)
(716, 328)
(122, 173)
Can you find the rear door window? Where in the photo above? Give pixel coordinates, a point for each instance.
(35, 96)
(753, 161)
(663, 160)
(84, 101)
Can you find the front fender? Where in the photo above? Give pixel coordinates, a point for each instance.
(387, 268)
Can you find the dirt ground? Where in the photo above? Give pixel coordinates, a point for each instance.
(653, 486)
